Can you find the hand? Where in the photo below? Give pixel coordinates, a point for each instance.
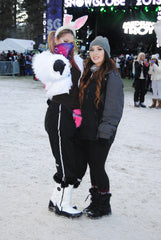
(77, 117)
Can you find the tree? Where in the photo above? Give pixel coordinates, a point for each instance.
(6, 18)
(22, 19)
(34, 10)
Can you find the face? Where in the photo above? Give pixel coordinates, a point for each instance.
(97, 55)
(65, 38)
(142, 57)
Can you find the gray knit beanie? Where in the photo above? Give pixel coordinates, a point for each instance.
(102, 42)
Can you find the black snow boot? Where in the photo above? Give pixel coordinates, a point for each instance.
(103, 208)
(94, 200)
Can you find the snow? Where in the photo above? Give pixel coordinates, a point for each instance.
(27, 167)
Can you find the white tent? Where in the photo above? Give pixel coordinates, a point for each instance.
(19, 45)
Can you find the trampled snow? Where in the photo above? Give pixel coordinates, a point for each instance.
(27, 167)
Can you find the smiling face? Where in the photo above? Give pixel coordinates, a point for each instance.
(65, 38)
(97, 55)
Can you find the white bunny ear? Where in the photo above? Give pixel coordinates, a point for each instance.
(68, 24)
(67, 19)
(80, 22)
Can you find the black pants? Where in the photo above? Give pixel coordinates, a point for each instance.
(139, 93)
(61, 130)
(95, 155)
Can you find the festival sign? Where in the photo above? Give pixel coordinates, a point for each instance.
(54, 15)
(93, 3)
(108, 3)
(138, 27)
(148, 2)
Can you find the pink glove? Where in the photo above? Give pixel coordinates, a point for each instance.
(77, 117)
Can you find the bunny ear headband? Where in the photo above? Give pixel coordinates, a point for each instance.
(68, 24)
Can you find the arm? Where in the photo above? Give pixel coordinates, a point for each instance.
(156, 68)
(137, 69)
(113, 107)
(151, 68)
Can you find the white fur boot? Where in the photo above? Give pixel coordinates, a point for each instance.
(55, 197)
(60, 202)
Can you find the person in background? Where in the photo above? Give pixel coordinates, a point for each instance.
(122, 66)
(129, 64)
(117, 61)
(28, 64)
(101, 98)
(133, 71)
(155, 72)
(141, 71)
(22, 62)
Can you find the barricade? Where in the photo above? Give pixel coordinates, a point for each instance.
(9, 68)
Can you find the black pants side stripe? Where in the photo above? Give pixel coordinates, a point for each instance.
(60, 147)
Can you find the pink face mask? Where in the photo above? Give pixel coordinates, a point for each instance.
(64, 49)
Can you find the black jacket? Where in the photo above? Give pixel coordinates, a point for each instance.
(113, 107)
(103, 122)
(138, 69)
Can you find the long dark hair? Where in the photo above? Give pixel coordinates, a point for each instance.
(107, 66)
(157, 63)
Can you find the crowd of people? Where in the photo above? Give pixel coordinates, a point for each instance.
(24, 60)
(145, 72)
(125, 64)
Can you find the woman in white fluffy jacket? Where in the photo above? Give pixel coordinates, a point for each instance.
(60, 70)
(155, 72)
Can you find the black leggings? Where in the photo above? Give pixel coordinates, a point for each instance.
(95, 154)
(139, 93)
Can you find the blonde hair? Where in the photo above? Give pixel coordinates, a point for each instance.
(51, 41)
(139, 56)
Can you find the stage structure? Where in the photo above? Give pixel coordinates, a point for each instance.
(129, 24)
(53, 17)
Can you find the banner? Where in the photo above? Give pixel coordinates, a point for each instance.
(54, 15)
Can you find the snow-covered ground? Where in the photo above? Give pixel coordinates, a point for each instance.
(27, 166)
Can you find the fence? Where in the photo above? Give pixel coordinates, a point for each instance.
(9, 68)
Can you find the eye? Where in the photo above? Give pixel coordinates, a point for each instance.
(100, 49)
(66, 41)
(91, 50)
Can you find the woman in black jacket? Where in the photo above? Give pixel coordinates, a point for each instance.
(141, 72)
(101, 98)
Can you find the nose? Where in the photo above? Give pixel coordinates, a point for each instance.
(95, 53)
(59, 66)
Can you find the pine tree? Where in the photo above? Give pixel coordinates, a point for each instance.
(22, 18)
(34, 10)
(6, 18)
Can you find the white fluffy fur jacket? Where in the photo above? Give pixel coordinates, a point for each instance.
(53, 70)
(155, 72)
